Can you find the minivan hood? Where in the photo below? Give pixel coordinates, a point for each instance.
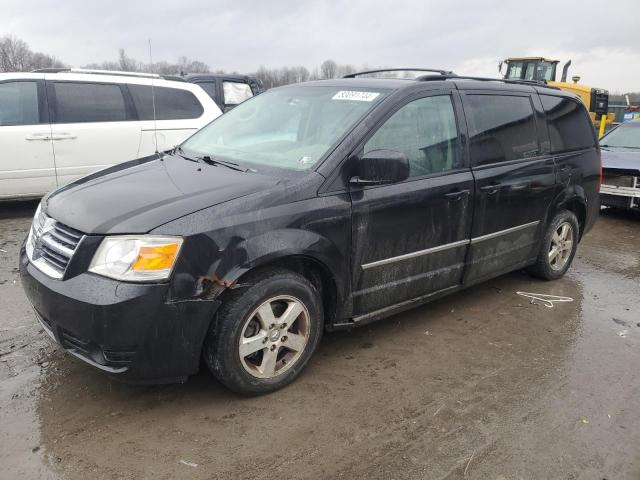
(138, 196)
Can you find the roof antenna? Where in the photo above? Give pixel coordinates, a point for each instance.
(153, 101)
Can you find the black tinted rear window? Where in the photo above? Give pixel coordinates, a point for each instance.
(570, 127)
(209, 87)
(501, 128)
(89, 102)
(171, 103)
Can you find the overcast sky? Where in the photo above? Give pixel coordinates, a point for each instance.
(601, 38)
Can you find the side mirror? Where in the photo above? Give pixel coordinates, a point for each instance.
(379, 167)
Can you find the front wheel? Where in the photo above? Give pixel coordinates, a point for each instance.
(264, 334)
(558, 247)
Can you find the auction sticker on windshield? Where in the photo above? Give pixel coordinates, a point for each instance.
(355, 95)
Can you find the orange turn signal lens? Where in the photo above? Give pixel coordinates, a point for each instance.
(159, 257)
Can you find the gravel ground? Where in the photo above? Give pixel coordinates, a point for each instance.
(481, 384)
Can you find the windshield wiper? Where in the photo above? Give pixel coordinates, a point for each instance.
(231, 165)
(179, 151)
(211, 161)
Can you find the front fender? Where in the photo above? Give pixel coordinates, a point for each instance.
(278, 244)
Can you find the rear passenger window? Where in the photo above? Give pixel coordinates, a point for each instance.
(236, 92)
(89, 102)
(19, 103)
(501, 128)
(209, 88)
(569, 124)
(425, 131)
(171, 103)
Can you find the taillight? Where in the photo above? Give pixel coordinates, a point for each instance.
(601, 173)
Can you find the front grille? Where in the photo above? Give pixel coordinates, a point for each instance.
(617, 201)
(70, 341)
(51, 245)
(618, 180)
(102, 355)
(116, 357)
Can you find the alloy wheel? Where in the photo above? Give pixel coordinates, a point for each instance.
(561, 246)
(274, 337)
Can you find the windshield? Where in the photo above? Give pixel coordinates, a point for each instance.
(514, 71)
(538, 70)
(626, 135)
(290, 128)
(543, 71)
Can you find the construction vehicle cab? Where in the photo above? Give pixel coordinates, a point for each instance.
(531, 68)
(540, 69)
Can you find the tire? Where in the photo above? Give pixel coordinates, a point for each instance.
(549, 266)
(244, 317)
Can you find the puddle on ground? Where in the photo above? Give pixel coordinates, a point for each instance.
(482, 381)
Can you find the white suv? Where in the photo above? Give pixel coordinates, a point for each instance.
(60, 125)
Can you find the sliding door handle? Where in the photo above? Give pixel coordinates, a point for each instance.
(456, 194)
(519, 186)
(491, 188)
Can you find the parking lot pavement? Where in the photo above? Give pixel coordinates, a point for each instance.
(481, 384)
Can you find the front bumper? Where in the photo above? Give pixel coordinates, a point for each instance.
(621, 197)
(131, 331)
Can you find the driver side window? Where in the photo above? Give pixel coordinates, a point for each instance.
(425, 131)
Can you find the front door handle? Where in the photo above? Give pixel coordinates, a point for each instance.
(64, 136)
(491, 188)
(38, 136)
(456, 194)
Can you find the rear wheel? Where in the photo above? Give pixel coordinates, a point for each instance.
(264, 334)
(558, 247)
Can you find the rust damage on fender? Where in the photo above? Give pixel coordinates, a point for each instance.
(209, 287)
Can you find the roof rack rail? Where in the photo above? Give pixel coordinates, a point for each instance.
(98, 72)
(383, 70)
(173, 78)
(532, 83)
(50, 70)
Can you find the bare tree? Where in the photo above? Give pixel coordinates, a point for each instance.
(345, 70)
(16, 56)
(41, 60)
(275, 77)
(315, 75)
(329, 69)
(197, 66)
(300, 74)
(268, 76)
(127, 64)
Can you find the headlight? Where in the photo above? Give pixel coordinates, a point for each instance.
(142, 258)
(36, 225)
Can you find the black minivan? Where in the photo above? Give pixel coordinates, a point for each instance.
(322, 205)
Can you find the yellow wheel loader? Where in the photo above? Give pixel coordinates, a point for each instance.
(540, 69)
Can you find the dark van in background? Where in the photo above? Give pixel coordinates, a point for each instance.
(322, 205)
(227, 90)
